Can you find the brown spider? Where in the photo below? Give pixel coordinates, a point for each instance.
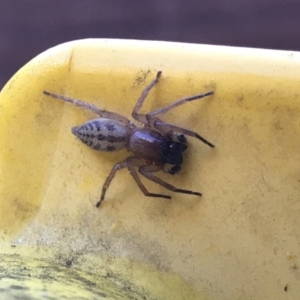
(153, 146)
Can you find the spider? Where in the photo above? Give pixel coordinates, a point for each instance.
(153, 145)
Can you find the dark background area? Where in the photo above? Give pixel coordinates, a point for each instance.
(30, 27)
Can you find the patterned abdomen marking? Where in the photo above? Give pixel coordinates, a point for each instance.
(103, 134)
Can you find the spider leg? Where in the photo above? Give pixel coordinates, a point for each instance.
(135, 113)
(93, 108)
(148, 170)
(166, 127)
(131, 163)
(167, 108)
(115, 168)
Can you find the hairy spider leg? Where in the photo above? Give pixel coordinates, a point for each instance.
(120, 165)
(130, 163)
(93, 108)
(140, 117)
(167, 127)
(148, 170)
(167, 108)
(163, 126)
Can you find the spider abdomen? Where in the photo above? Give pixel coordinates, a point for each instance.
(153, 146)
(103, 134)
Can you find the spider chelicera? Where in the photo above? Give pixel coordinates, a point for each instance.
(153, 146)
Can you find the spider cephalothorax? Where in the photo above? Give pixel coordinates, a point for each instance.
(153, 145)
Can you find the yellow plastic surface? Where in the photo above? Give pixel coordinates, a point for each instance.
(241, 240)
